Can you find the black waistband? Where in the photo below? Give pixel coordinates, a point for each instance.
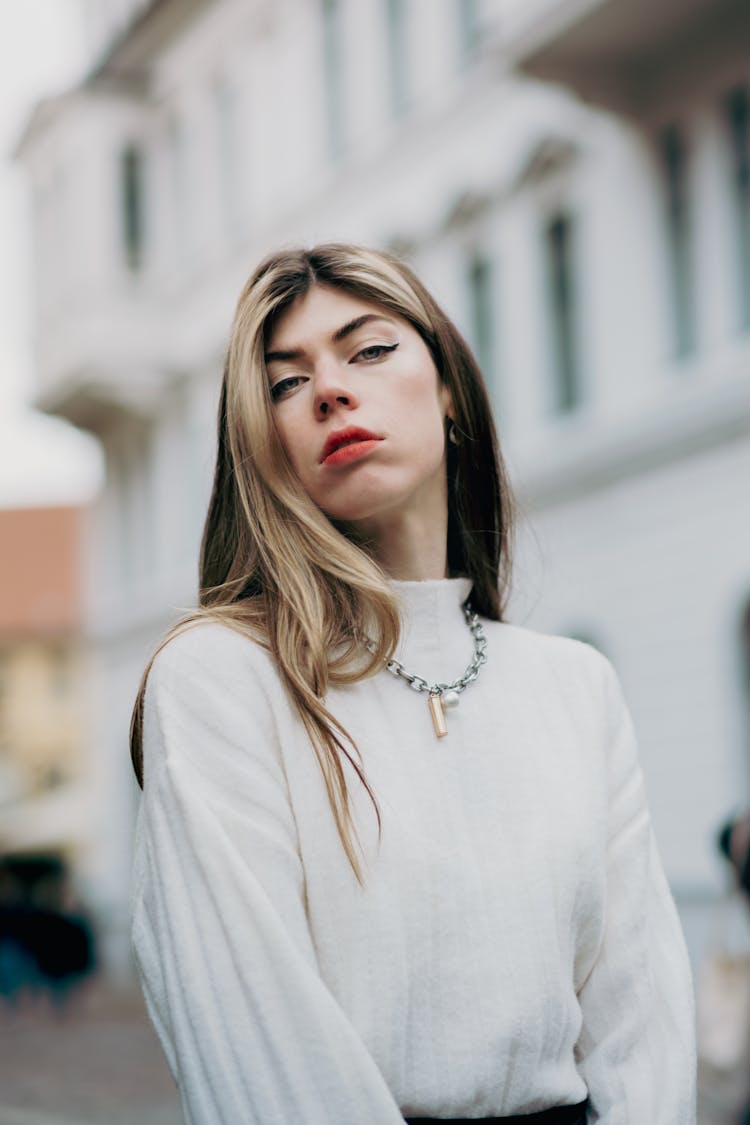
(558, 1115)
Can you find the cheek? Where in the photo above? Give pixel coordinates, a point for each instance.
(291, 439)
(424, 415)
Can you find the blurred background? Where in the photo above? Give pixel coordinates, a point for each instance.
(571, 178)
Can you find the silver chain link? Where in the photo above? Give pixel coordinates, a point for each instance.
(419, 683)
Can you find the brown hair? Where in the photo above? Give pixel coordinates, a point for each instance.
(273, 566)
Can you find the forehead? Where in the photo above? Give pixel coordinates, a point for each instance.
(318, 314)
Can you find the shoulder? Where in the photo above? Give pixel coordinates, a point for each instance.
(564, 655)
(554, 666)
(207, 648)
(207, 661)
(212, 701)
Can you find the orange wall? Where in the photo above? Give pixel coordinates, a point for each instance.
(40, 569)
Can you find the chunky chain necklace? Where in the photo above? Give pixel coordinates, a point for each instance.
(441, 696)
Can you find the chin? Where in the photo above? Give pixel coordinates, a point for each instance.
(364, 501)
(360, 509)
(353, 513)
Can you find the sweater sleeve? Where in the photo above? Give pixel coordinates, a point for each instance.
(636, 1049)
(220, 935)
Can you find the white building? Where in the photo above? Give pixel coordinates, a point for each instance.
(572, 179)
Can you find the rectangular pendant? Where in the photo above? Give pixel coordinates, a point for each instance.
(438, 715)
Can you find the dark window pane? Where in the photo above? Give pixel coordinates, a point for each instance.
(678, 241)
(480, 284)
(562, 312)
(738, 120)
(131, 176)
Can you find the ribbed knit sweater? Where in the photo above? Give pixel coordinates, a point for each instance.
(515, 945)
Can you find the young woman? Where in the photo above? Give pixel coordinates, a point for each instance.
(394, 858)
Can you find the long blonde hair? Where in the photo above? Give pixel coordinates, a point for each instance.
(274, 567)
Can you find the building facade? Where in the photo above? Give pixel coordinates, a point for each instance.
(49, 821)
(572, 180)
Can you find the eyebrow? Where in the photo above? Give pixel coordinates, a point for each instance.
(339, 335)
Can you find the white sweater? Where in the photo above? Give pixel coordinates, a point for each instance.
(516, 944)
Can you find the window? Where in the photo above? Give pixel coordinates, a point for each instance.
(398, 55)
(468, 30)
(225, 102)
(674, 160)
(481, 308)
(178, 182)
(559, 268)
(132, 205)
(333, 76)
(738, 120)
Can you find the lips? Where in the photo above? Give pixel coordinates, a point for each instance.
(349, 436)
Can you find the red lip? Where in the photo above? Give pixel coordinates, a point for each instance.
(347, 436)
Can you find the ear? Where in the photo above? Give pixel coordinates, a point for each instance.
(446, 403)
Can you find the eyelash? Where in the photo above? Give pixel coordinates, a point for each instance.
(381, 348)
(277, 390)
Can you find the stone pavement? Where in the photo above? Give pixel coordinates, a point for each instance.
(96, 1062)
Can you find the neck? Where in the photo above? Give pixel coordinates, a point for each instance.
(409, 548)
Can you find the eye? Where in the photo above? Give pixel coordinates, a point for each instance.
(278, 390)
(375, 352)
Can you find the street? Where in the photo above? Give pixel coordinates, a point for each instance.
(98, 1062)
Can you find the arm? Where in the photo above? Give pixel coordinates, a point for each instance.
(636, 1050)
(228, 968)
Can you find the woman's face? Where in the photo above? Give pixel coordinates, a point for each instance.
(359, 409)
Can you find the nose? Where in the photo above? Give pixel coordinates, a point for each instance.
(332, 392)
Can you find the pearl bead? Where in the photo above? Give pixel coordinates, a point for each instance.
(450, 698)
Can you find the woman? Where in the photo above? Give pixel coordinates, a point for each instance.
(355, 902)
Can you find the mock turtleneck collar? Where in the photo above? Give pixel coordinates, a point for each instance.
(435, 640)
(436, 595)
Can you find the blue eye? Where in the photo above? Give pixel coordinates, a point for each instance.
(278, 389)
(375, 351)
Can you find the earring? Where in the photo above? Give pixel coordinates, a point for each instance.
(453, 433)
